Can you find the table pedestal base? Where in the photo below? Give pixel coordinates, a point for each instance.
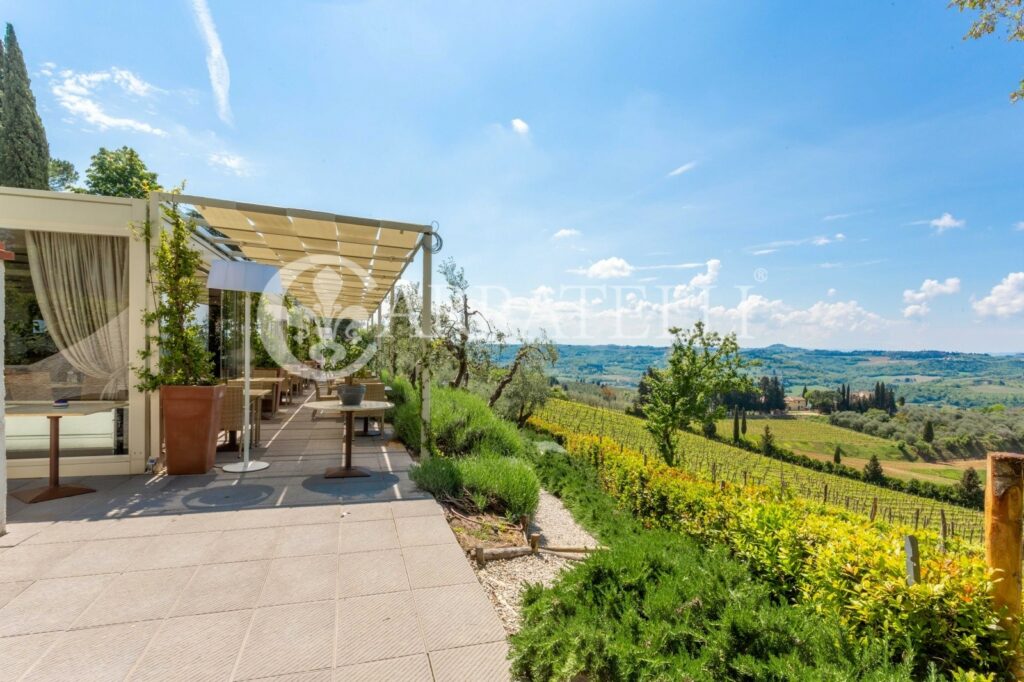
(47, 493)
(350, 472)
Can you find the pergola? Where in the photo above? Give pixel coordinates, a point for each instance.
(349, 263)
(353, 263)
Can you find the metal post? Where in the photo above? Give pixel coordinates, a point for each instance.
(5, 255)
(426, 330)
(246, 464)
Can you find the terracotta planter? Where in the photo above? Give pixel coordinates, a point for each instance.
(191, 422)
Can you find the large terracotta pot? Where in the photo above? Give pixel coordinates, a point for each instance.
(191, 421)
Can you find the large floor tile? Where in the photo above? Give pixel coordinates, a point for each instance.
(101, 556)
(203, 647)
(472, 663)
(250, 544)
(300, 579)
(423, 530)
(50, 605)
(288, 639)
(144, 595)
(437, 565)
(302, 540)
(377, 627)
(172, 551)
(368, 536)
(456, 615)
(18, 654)
(222, 587)
(95, 654)
(405, 669)
(31, 562)
(364, 573)
(369, 511)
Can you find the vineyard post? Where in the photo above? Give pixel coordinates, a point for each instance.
(942, 530)
(824, 496)
(913, 559)
(1004, 497)
(874, 508)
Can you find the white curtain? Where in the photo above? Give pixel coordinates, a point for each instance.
(81, 285)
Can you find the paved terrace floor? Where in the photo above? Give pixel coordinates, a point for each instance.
(278, 574)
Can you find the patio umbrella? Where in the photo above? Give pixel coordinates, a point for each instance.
(248, 277)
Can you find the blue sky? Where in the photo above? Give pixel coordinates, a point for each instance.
(828, 158)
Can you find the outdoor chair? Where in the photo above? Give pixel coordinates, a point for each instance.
(323, 392)
(232, 415)
(374, 391)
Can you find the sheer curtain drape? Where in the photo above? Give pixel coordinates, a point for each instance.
(81, 285)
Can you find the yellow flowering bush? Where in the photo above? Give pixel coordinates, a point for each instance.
(834, 561)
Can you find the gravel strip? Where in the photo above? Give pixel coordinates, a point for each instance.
(504, 581)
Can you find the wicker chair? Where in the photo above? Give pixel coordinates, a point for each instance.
(323, 392)
(232, 415)
(374, 391)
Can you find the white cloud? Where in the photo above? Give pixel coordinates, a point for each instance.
(232, 163)
(565, 233)
(615, 267)
(931, 288)
(917, 298)
(916, 310)
(764, 252)
(606, 268)
(1005, 299)
(944, 222)
(685, 168)
(831, 292)
(78, 94)
(839, 237)
(520, 127)
(1019, 226)
(216, 62)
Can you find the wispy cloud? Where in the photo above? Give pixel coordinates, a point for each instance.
(520, 127)
(566, 233)
(844, 216)
(232, 163)
(685, 168)
(216, 62)
(944, 222)
(1019, 226)
(819, 240)
(616, 267)
(917, 299)
(79, 95)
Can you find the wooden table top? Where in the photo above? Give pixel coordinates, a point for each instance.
(45, 408)
(365, 406)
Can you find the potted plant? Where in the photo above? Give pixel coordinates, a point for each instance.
(190, 402)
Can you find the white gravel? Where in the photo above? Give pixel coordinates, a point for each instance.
(504, 581)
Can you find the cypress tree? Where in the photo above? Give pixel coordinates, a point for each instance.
(873, 471)
(743, 424)
(24, 152)
(837, 456)
(929, 432)
(736, 425)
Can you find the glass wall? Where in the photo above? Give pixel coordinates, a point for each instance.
(67, 337)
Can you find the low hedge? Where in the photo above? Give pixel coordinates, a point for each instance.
(461, 425)
(487, 482)
(834, 563)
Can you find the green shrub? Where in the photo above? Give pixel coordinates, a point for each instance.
(463, 424)
(834, 562)
(659, 607)
(508, 483)
(488, 482)
(439, 476)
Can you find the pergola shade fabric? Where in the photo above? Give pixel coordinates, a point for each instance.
(322, 258)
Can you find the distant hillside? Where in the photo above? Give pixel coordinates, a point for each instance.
(931, 377)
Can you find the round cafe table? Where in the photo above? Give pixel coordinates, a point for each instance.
(351, 412)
